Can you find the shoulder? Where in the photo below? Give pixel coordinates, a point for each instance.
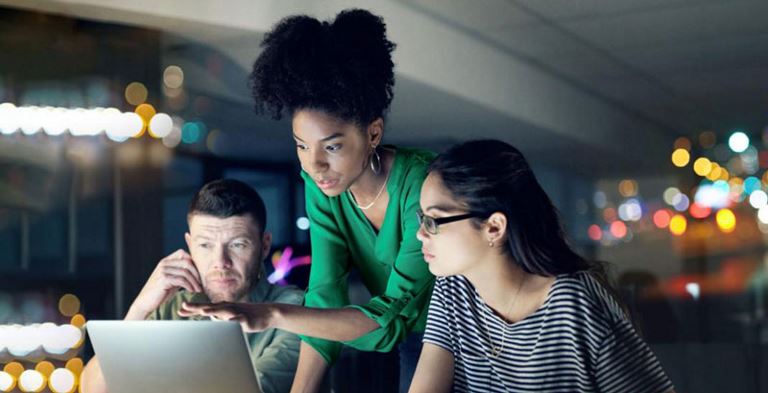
(412, 165)
(287, 294)
(590, 298)
(417, 156)
(414, 161)
(454, 287)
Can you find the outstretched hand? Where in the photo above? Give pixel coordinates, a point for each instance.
(252, 317)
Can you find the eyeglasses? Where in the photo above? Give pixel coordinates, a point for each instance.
(431, 223)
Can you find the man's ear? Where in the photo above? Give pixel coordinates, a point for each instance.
(188, 239)
(266, 243)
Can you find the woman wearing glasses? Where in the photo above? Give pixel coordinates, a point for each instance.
(335, 79)
(514, 308)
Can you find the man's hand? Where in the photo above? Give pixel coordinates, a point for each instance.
(172, 273)
(252, 317)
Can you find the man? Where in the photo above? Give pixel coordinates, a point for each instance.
(227, 244)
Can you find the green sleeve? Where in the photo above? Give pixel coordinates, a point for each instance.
(402, 305)
(328, 286)
(276, 366)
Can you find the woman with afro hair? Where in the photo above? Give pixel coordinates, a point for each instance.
(335, 80)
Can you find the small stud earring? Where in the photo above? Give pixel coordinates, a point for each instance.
(490, 244)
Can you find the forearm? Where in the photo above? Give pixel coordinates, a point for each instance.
(434, 373)
(310, 370)
(335, 324)
(92, 380)
(135, 313)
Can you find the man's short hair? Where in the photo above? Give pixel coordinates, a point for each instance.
(225, 198)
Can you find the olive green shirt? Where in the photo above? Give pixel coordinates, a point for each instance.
(274, 352)
(389, 261)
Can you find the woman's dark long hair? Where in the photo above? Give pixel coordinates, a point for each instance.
(491, 176)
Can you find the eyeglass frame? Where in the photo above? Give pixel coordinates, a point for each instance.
(423, 218)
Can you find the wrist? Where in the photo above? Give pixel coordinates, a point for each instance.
(277, 317)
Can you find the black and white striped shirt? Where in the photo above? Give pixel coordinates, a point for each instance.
(579, 340)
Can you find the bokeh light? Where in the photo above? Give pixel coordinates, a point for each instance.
(693, 289)
(682, 143)
(669, 195)
(146, 112)
(302, 223)
(618, 229)
(751, 184)
(75, 365)
(134, 125)
(69, 305)
(599, 199)
(136, 93)
(714, 172)
(45, 367)
(707, 139)
(762, 214)
(160, 125)
(738, 142)
(190, 132)
(713, 195)
(8, 121)
(173, 77)
(758, 199)
(631, 210)
(7, 382)
(609, 215)
(62, 380)
(661, 218)
(678, 224)
(681, 158)
(14, 368)
(699, 211)
(726, 220)
(628, 188)
(212, 141)
(31, 381)
(681, 202)
(594, 232)
(702, 166)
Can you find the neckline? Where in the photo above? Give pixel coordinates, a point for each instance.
(391, 180)
(485, 308)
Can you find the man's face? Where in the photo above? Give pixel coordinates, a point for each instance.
(228, 253)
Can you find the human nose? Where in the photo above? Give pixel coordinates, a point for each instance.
(422, 235)
(317, 161)
(221, 257)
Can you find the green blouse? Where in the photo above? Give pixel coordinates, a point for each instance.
(390, 262)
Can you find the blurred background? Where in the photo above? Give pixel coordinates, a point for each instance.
(646, 122)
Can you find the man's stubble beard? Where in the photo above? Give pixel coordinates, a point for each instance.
(250, 280)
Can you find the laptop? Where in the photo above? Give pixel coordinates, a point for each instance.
(173, 356)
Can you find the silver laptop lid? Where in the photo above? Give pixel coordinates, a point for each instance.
(173, 356)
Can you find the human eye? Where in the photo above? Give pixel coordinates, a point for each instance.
(334, 147)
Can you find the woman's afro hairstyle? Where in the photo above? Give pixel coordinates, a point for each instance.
(343, 68)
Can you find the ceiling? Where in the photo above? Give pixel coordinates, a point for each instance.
(600, 86)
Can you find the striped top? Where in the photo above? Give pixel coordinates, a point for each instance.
(579, 340)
